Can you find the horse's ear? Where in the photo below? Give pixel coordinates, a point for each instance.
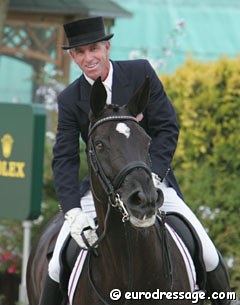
(98, 97)
(139, 101)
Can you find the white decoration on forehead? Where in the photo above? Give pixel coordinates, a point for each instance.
(124, 129)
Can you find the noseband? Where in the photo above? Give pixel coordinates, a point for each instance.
(109, 186)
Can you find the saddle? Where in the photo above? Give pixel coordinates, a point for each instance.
(191, 240)
(68, 257)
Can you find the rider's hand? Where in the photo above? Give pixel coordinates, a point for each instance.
(156, 180)
(80, 223)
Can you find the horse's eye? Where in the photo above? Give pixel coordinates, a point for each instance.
(99, 145)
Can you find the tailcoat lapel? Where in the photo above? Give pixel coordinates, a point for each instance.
(84, 94)
(121, 89)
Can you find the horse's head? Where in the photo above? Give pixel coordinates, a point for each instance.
(119, 155)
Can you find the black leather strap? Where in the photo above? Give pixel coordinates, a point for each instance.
(118, 180)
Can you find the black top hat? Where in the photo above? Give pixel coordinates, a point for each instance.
(85, 31)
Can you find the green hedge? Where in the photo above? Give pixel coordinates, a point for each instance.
(207, 161)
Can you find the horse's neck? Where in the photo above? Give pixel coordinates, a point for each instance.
(129, 253)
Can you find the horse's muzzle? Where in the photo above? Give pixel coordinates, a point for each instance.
(142, 204)
(143, 223)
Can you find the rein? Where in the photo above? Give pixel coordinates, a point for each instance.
(114, 200)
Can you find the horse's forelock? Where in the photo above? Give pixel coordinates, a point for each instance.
(109, 110)
(113, 107)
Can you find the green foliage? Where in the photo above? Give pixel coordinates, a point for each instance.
(10, 246)
(207, 161)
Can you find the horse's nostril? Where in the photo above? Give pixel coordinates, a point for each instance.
(160, 198)
(137, 198)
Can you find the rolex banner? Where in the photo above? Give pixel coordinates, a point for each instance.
(22, 132)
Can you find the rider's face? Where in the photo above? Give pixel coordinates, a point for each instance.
(93, 59)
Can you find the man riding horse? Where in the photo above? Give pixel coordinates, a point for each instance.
(89, 47)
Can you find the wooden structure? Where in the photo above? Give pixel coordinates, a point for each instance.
(34, 34)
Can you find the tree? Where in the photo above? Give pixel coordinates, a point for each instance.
(3, 15)
(206, 97)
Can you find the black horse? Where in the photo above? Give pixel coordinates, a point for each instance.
(136, 254)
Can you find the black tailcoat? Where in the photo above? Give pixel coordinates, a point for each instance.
(73, 104)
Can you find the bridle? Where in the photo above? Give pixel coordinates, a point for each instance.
(111, 187)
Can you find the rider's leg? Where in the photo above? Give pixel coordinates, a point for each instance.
(213, 262)
(51, 293)
(218, 281)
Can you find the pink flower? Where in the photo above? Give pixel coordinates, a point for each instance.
(7, 256)
(8, 263)
(12, 269)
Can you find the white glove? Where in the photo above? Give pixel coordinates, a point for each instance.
(79, 222)
(156, 180)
